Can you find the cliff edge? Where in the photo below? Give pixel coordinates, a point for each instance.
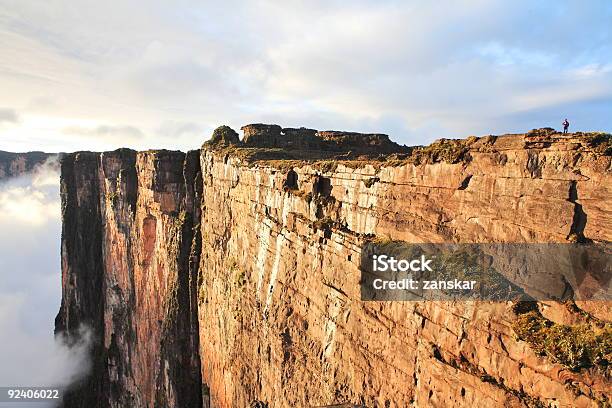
(230, 276)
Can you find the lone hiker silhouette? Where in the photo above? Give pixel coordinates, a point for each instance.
(565, 125)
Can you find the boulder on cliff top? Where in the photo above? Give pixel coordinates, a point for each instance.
(224, 135)
(273, 136)
(261, 135)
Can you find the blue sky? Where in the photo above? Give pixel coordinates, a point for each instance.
(150, 74)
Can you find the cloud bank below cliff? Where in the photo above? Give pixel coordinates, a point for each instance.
(30, 284)
(142, 74)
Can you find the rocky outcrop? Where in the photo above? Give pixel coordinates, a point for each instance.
(265, 249)
(224, 135)
(273, 136)
(16, 164)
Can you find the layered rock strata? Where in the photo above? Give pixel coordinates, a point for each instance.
(233, 272)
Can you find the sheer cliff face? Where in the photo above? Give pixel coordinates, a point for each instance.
(128, 274)
(237, 278)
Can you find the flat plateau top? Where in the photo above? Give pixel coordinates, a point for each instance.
(375, 148)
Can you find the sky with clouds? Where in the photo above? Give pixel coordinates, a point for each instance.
(151, 74)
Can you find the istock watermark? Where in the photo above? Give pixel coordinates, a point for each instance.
(396, 270)
(384, 263)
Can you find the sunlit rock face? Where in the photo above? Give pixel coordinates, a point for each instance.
(233, 272)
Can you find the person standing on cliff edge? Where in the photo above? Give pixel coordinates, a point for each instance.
(565, 126)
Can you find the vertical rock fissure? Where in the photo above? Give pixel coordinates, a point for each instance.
(180, 335)
(579, 219)
(465, 183)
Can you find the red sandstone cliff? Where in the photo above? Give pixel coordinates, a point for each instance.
(130, 247)
(230, 276)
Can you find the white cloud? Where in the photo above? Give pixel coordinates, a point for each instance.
(26, 205)
(30, 285)
(8, 116)
(116, 133)
(180, 130)
(36, 360)
(31, 199)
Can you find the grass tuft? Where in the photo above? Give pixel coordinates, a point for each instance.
(576, 346)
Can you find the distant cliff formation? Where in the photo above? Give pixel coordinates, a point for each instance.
(229, 276)
(16, 164)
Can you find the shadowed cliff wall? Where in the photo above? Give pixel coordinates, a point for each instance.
(129, 273)
(16, 164)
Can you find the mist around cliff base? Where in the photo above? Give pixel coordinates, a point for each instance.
(30, 286)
